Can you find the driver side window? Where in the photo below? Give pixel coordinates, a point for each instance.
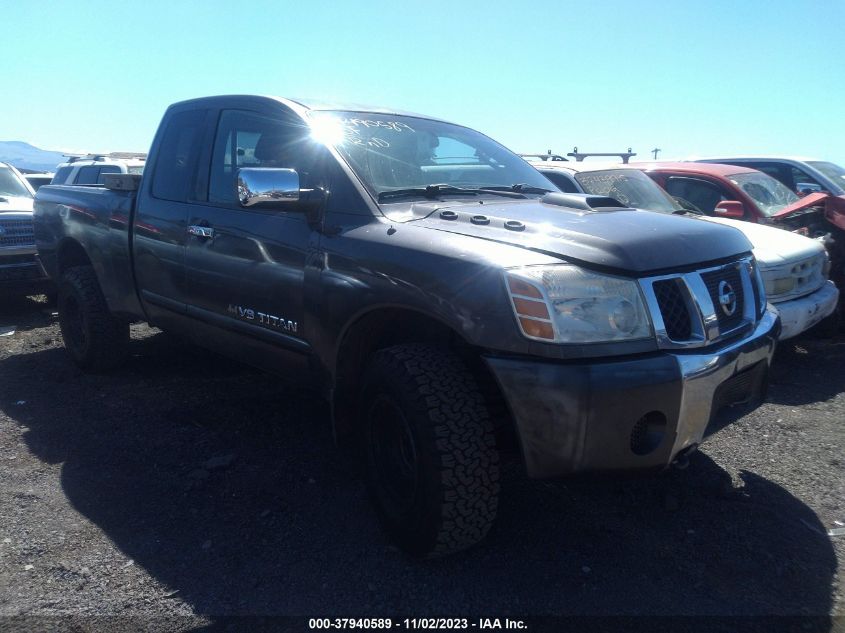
(701, 194)
(247, 139)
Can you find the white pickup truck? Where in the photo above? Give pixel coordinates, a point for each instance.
(794, 268)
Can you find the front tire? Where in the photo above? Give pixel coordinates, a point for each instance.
(96, 340)
(432, 464)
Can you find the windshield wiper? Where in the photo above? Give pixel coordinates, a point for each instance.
(522, 187)
(432, 191)
(429, 191)
(518, 188)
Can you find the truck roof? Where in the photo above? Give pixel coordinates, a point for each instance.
(300, 105)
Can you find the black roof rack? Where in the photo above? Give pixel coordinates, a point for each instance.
(72, 158)
(580, 156)
(547, 156)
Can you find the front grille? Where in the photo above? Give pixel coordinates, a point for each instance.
(16, 233)
(689, 309)
(732, 283)
(673, 308)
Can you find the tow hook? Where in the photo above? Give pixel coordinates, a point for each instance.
(681, 460)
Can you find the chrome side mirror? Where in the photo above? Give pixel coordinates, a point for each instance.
(267, 187)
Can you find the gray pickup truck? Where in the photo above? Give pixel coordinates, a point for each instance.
(444, 298)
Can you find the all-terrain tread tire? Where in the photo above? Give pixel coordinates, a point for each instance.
(107, 337)
(442, 401)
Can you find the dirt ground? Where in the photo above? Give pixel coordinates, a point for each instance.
(184, 488)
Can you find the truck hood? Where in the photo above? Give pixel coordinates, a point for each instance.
(619, 239)
(15, 204)
(772, 246)
(810, 200)
(833, 208)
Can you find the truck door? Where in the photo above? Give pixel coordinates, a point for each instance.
(159, 235)
(246, 267)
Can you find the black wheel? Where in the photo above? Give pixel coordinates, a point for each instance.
(96, 340)
(431, 460)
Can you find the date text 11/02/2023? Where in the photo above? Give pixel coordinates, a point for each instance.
(435, 624)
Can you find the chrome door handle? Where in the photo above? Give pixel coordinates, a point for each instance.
(201, 231)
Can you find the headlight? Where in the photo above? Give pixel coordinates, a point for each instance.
(782, 285)
(567, 304)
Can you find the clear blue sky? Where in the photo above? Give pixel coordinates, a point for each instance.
(701, 78)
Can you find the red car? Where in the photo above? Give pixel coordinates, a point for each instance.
(747, 194)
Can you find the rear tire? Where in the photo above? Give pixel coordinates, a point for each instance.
(96, 340)
(431, 460)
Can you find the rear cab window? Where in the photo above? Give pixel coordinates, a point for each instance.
(178, 153)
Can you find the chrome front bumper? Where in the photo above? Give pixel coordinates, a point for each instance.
(584, 416)
(703, 374)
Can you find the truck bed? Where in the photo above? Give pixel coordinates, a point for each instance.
(98, 220)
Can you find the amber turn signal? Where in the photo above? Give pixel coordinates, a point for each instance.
(537, 329)
(520, 287)
(536, 309)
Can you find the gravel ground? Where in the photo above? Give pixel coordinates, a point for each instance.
(187, 486)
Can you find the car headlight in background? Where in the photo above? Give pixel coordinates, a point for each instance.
(567, 304)
(779, 286)
(804, 275)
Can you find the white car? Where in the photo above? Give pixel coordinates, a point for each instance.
(92, 168)
(801, 175)
(794, 268)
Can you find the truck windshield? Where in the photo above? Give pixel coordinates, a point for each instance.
(768, 194)
(393, 153)
(832, 171)
(11, 185)
(631, 187)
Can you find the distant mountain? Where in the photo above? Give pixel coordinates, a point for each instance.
(25, 156)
